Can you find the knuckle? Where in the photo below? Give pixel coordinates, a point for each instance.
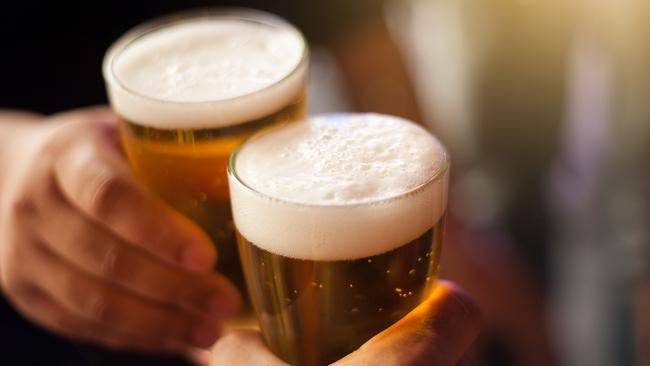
(99, 309)
(114, 264)
(106, 191)
(123, 266)
(97, 306)
(58, 141)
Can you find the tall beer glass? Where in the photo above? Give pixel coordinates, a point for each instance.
(188, 89)
(339, 223)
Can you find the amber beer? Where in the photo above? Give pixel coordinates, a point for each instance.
(188, 89)
(340, 222)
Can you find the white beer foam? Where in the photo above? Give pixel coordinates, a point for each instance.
(206, 73)
(339, 187)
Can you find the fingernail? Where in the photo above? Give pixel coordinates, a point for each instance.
(206, 334)
(197, 257)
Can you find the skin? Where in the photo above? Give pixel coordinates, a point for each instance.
(485, 263)
(88, 254)
(438, 332)
(115, 309)
(127, 272)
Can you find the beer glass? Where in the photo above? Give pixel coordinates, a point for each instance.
(339, 222)
(187, 90)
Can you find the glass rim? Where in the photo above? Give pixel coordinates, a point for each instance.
(438, 174)
(228, 13)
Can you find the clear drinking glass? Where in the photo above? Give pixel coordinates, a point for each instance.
(178, 147)
(314, 305)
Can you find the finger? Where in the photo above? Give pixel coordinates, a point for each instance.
(95, 179)
(100, 302)
(101, 118)
(39, 308)
(243, 347)
(98, 252)
(85, 115)
(438, 332)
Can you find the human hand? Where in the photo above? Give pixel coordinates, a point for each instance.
(438, 332)
(88, 254)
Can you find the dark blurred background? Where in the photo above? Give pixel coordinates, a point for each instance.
(542, 104)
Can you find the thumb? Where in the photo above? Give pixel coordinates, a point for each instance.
(243, 347)
(438, 332)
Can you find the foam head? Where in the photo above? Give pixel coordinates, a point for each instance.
(206, 72)
(338, 187)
